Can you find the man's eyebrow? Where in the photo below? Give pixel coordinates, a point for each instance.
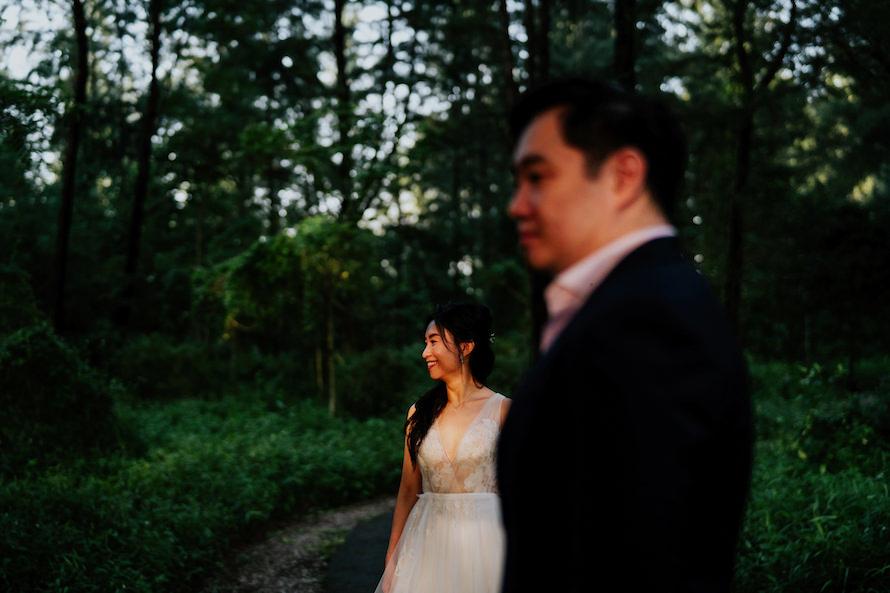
(527, 161)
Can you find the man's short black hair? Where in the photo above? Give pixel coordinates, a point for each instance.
(599, 118)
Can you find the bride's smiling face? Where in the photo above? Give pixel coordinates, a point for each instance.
(440, 352)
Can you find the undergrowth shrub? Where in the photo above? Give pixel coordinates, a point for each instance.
(819, 509)
(55, 407)
(216, 473)
(387, 381)
(157, 366)
(811, 530)
(812, 411)
(287, 377)
(381, 381)
(18, 306)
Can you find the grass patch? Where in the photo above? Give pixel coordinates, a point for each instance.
(819, 511)
(214, 473)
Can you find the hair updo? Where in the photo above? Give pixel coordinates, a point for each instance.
(466, 322)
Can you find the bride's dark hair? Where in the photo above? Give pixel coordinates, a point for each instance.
(467, 322)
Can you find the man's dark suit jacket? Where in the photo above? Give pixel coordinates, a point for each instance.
(625, 459)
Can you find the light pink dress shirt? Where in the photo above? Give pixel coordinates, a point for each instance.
(568, 291)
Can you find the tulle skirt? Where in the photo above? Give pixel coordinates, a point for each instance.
(452, 543)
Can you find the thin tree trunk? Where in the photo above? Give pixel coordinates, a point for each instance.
(319, 368)
(544, 41)
(735, 254)
(390, 58)
(273, 175)
(344, 115)
(744, 140)
(507, 62)
(69, 172)
(123, 129)
(143, 175)
(199, 227)
(625, 40)
(329, 355)
(531, 44)
(537, 26)
(752, 93)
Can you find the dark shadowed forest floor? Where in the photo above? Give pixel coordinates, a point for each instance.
(331, 552)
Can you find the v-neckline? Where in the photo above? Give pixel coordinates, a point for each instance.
(466, 430)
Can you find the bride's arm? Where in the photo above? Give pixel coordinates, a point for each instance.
(409, 487)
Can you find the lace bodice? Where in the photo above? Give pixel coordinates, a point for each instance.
(472, 469)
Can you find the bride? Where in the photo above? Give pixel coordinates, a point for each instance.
(446, 530)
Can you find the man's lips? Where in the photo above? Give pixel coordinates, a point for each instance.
(527, 236)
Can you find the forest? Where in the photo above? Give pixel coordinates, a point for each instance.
(223, 225)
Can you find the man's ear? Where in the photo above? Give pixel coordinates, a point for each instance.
(628, 167)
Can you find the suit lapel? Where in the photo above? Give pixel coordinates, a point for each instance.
(658, 252)
(540, 381)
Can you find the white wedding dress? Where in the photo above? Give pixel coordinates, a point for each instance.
(453, 540)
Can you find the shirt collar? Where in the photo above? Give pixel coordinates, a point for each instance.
(573, 285)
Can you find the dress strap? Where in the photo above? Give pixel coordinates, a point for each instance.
(497, 414)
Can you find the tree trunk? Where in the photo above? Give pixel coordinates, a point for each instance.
(625, 40)
(752, 93)
(143, 175)
(273, 177)
(537, 25)
(199, 226)
(735, 253)
(531, 42)
(319, 368)
(507, 62)
(329, 354)
(734, 256)
(69, 171)
(123, 129)
(544, 41)
(390, 58)
(344, 114)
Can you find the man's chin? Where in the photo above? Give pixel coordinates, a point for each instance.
(537, 261)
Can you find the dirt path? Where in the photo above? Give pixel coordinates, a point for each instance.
(296, 558)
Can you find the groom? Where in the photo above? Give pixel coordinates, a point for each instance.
(625, 459)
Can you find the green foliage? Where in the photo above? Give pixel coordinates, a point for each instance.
(811, 411)
(513, 355)
(819, 508)
(275, 293)
(216, 472)
(298, 300)
(17, 306)
(812, 531)
(381, 381)
(54, 406)
(253, 138)
(159, 366)
(22, 107)
(258, 294)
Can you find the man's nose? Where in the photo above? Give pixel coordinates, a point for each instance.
(518, 206)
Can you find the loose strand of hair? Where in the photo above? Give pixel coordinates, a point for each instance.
(426, 410)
